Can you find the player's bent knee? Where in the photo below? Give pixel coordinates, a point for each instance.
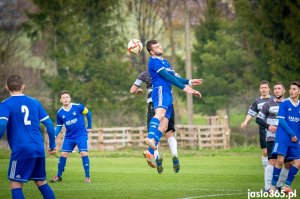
(64, 154)
(297, 163)
(169, 134)
(84, 153)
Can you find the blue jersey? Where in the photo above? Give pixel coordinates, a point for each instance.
(24, 135)
(73, 119)
(291, 113)
(156, 64)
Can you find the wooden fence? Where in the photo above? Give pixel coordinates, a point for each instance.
(215, 134)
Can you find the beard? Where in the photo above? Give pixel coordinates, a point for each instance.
(278, 97)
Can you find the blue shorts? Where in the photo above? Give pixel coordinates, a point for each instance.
(27, 169)
(70, 143)
(162, 98)
(289, 152)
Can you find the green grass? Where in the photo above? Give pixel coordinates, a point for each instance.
(125, 174)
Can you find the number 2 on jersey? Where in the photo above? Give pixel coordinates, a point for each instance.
(25, 110)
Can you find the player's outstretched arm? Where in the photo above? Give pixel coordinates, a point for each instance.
(3, 123)
(173, 79)
(51, 133)
(90, 120)
(196, 82)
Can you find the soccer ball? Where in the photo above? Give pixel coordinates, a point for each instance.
(135, 46)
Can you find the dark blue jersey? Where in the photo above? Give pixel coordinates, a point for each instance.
(24, 136)
(156, 64)
(73, 119)
(291, 114)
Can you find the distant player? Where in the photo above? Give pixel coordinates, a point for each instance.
(287, 145)
(21, 115)
(267, 118)
(71, 115)
(163, 77)
(255, 107)
(170, 129)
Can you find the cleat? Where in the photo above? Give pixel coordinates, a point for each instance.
(150, 159)
(176, 164)
(150, 142)
(286, 189)
(87, 180)
(56, 179)
(159, 166)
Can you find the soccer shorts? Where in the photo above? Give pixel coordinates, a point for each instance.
(162, 98)
(27, 169)
(151, 113)
(262, 137)
(289, 152)
(70, 143)
(270, 146)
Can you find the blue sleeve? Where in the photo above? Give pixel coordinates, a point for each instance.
(3, 124)
(51, 133)
(89, 119)
(182, 80)
(57, 130)
(286, 127)
(170, 78)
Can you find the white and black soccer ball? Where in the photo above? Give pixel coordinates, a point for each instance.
(135, 46)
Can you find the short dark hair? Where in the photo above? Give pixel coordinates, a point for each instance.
(14, 82)
(279, 83)
(149, 44)
(264, 82)
(64, 92)
(296, 83)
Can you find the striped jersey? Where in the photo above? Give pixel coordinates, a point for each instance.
(145, 77)
(268, 113)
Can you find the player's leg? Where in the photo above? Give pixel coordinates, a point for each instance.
(270, 167)
(277, 169)
(67, 147)
(82, 144)
(263, 146)
(292, 154)
(39, 177)
(16, 190)
(284, 173)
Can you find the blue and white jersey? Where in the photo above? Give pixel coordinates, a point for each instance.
(291, 113)
(73, 119)
(24, 135)
(156, 64)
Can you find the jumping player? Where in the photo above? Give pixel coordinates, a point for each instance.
(163, 77)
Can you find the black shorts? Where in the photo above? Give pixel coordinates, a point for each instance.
(270, 145)
(151, 113)
(262, 137)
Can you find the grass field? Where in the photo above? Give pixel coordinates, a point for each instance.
(125, 174)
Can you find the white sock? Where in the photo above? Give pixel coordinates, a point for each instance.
(268, 176)
(264, 161)
(173, 145)
(156, 153)
(282, 177)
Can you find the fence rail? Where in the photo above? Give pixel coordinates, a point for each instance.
(214, 135)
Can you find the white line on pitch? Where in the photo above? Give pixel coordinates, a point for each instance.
(215, 195)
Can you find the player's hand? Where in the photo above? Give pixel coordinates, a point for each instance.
(196, 82)
(272, 128)
(244, 124)
(139, 91)
(190, 90)
(89, 130)
(52, 151)
(294, 139)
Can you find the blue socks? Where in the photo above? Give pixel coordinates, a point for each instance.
(61, 166)
(153, 129)
(292, 173)
(47, 192)
(276, 173)
(86, 165)
(17, 193)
